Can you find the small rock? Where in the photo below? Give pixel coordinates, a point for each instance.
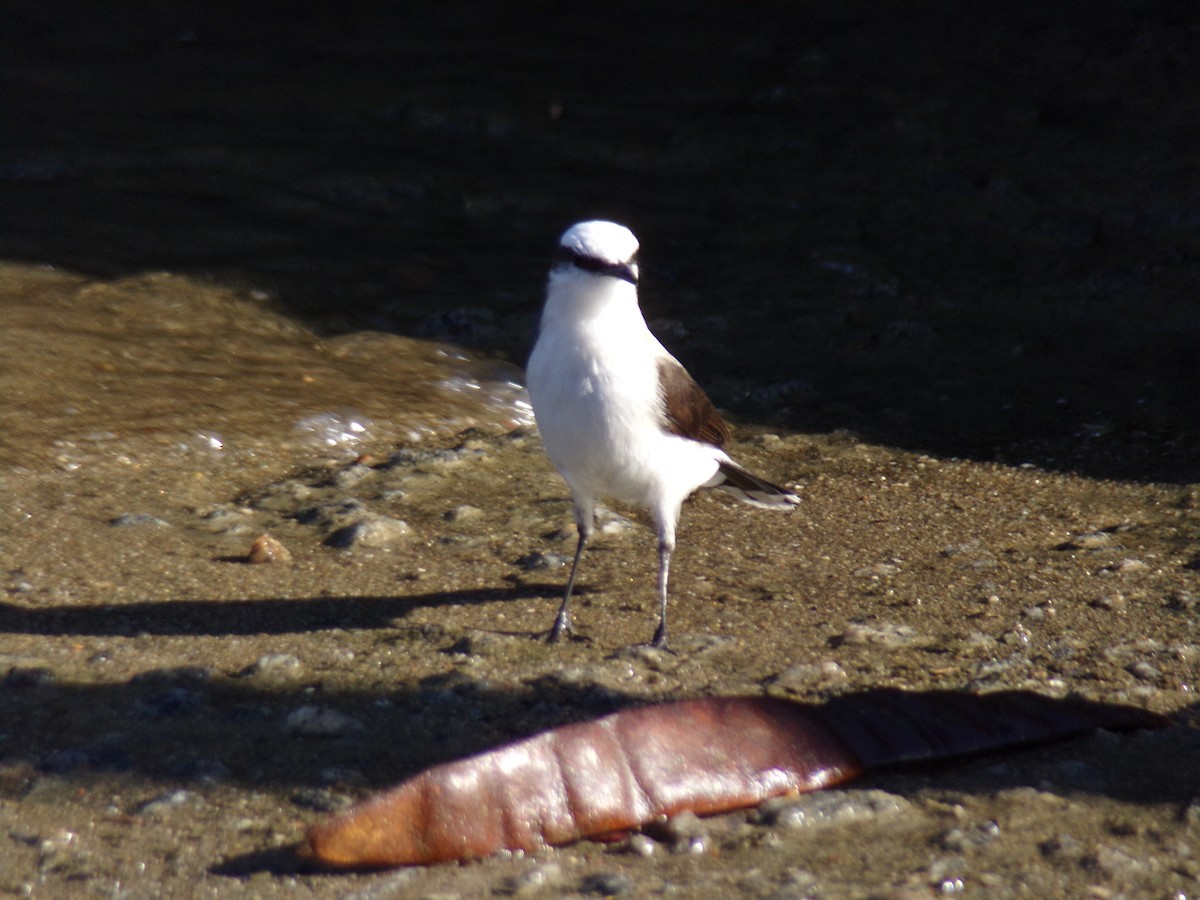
(1112, 602)
(684, 833)
(641, 845)
(653, 658)
(607, 884)
(1143, 670)
(1061, 847)
(884, 634)
(956, 840)
(946, 874)
(127, 520)
(373, 533)
(321, 800)
(800, 677)
(703, 645)
(537, 878)
(321, 721)
(60, 853)
(829, 807)
(488, 643)
(351, 475)
(1181, 601)
(878, 570)
(226, 520)
(1124, 567)
(274, 669)
(1091, 541)
(1190, 814)
(283, 496)
(1118, 863)
(166, 802)
(542, 560)
(611, 523)
(267, 549)
(463, 513)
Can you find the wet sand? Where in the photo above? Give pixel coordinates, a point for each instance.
(275, 275)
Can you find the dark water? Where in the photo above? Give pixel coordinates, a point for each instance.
(960, 230)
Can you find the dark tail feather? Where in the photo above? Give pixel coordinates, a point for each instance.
(752, 489)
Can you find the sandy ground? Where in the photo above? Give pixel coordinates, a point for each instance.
(940, 269)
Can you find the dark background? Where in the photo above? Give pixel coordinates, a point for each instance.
(958, 228)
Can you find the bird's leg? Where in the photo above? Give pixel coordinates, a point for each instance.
(665, 546)
(562, 622)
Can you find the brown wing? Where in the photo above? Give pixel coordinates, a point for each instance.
(689, 412)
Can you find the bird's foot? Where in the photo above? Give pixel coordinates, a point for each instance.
(562, 629)
(660, 639)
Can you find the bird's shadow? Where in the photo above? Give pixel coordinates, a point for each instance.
(215, 618)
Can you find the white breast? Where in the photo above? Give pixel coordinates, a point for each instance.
(593, 382)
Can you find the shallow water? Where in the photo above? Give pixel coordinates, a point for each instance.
(158, 366)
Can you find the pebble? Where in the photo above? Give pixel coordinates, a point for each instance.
(267, 549)
(227, 520)
(611, 523)
(684, 833)
(653, 658)
(1143, 671)
(883, 634)
(283, 496)
(1190, 814)
(1182, 601)
(166, 802)
(1111, 602)
(798, 678)
(946, 874)
(395, 884)
(127, 520)
(537, 878)
(607, 884)
(641, 845)
(488, 644)
(60, 853)
(1091, 541)
(701, 645)
(463, 513)
(878, 570)
(351, 475)
(321, 800)
(540, 559)
(830, 808)
(321, 721)
(1062, 847)
(956, 840)
(436, 460)
(374, 533)
(1124, 567)
(1119, 863)
(274, 669)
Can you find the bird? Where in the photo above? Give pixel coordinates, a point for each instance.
(619, 416)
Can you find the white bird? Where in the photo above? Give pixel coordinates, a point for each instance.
(619, 416)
